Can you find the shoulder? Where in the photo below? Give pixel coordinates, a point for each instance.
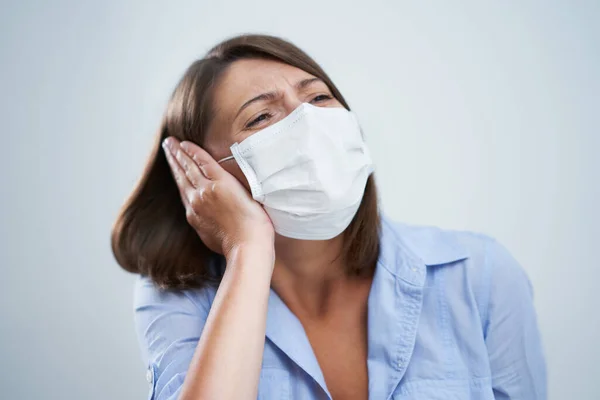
(434, 245)
(164, 318)
(472, 263)
(148, 294)
(486, 262)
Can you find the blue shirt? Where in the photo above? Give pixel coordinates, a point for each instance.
(450, 316)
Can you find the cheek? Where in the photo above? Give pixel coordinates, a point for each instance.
(236, 171)
(336, 103)
(220, 150)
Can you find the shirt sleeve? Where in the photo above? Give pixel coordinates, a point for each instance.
(511, 332)
(168, 325)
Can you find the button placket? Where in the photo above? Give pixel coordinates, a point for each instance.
(410, 294)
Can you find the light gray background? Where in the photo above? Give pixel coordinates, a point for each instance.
(480, 116)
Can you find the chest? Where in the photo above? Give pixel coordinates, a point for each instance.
(420, 346)
(342, 355)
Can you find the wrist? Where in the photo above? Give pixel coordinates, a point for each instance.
(255, 252)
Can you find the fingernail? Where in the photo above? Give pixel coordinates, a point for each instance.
(185, 146)
(166, 144)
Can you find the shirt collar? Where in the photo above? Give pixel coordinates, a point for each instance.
(430, 245)
(405, 252)
(396, 297)
(286, 332)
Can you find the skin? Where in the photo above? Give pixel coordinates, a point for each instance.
(307, 275)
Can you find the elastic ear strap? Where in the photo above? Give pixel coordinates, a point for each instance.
(225, 159)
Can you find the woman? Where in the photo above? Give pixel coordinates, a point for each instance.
(278, 278)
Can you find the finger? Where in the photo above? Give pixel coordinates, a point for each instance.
(178, 173)
(187, 191)
(188, 165)
(209, 167)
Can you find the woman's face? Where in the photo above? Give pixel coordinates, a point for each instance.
(254, 94)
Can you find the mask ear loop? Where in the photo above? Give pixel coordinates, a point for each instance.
(225, 159)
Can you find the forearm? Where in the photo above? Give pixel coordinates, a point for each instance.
(227, 361)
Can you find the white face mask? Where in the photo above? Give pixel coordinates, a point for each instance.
(309, 171)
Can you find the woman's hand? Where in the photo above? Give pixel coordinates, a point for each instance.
(217, 206)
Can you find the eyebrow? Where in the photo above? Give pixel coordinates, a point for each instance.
(300, 85)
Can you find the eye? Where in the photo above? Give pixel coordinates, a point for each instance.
(259, 119)
(321, 98)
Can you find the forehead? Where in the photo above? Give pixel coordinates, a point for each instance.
(245, 79)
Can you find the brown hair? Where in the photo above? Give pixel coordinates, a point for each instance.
(151, 235)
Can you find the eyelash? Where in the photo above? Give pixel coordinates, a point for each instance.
(260, 118)
(326, 97)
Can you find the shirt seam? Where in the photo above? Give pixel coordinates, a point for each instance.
(485, 290)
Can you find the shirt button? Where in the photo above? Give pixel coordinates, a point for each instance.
(149, 375)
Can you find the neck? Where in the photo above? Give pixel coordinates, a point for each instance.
(310, 275)
(311, 261)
